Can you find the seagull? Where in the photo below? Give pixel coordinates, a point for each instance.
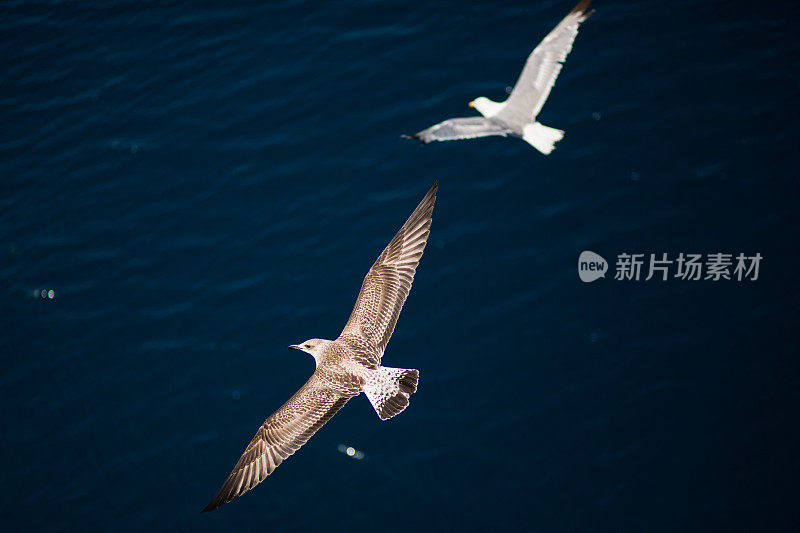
(347, 366)
(517, 115)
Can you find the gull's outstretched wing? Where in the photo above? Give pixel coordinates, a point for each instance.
(542, 68)
(460, 128)
(280, 436)
(388, 282)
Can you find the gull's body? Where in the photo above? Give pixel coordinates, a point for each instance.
(347, 366)
(517, 115)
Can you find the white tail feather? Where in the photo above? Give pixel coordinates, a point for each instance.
(390, 388)
(541, 137)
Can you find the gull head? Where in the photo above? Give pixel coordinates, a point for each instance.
(315, 347)
(486, 107)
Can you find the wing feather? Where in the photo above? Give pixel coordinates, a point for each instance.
(282, 434)
(388, 282)
(461, 128)
(542, 68)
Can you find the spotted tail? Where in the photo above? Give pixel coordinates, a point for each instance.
(390, 390)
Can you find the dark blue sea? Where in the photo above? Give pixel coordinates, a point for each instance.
(202, 184)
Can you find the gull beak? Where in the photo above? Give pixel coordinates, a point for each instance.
(295, 347)
(472, 103)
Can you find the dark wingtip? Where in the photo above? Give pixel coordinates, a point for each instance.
(425, 206)
(433, 190)
(430, 197)
(415, 137)
(216, 503)
(581, 8)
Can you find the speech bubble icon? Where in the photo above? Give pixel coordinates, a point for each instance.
(591, 266)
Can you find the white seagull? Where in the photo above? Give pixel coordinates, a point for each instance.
(347, 366)
(517, 115)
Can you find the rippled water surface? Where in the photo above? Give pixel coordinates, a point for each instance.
(202, 185)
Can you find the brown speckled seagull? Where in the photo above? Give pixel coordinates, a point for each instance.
(347, 366)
